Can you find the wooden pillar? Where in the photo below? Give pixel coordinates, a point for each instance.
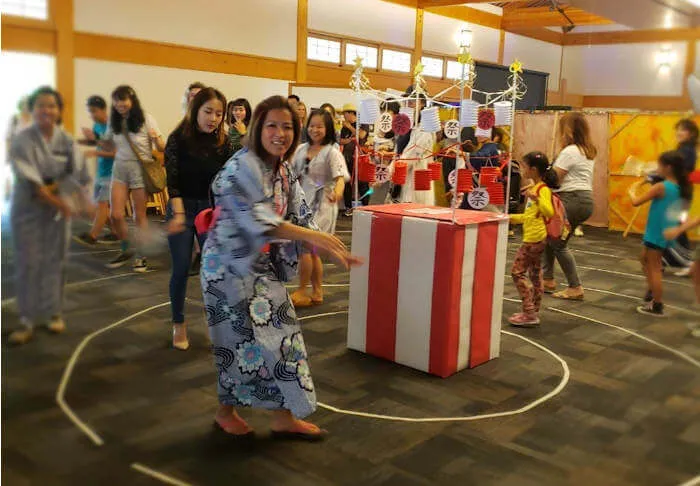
(302, 35)
(501, 46)
(691, 52)
(418, 40)
(62, 16)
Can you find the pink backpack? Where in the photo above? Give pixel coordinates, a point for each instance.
(558, 226)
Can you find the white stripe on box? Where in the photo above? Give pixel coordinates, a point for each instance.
(415, 294)
(498, 284)
(359, 281)
(465, 301)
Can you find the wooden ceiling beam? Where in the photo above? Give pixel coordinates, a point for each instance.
(632, 37)
(438, 3)
(544, 17)
(540, 33)
(467, 14)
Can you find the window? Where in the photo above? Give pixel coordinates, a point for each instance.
(323, 50)
(36, 9)
(454, 70)
(432, 66)
(367, 53)
(396, 61)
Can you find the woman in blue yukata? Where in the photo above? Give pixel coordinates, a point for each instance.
(260, 222)
(48, 173)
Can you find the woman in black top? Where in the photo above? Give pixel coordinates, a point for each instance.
(194, 153)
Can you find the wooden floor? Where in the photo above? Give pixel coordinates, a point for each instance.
(630, 414)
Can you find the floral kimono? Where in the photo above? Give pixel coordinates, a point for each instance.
(39, 232)
(257, 342)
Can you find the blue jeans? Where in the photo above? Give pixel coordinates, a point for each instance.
(181, 245)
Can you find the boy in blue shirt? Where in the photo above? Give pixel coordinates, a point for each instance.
(97, 107)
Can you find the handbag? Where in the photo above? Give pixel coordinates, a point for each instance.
(153, 173)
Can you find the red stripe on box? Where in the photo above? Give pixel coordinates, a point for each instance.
(383, 286)
(447, 283)
(482, 295)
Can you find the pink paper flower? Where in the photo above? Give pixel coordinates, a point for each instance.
(486, 120)
(401, 124)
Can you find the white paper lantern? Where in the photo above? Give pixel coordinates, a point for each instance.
(409, 112)
(430, 120)
(503, 111)
(468, 113)
(483, 133)
(369, 111)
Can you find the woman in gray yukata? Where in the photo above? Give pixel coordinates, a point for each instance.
(48, 172)
(260, 220)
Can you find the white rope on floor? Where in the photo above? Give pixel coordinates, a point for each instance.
(163, 478)
(68, 371)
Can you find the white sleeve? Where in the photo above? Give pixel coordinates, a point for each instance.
(151, 124)
(338, 166)
(567, 158)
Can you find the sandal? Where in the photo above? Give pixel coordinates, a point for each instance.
(317, 299)
(301, 299)
(549, 288)
(568, 295)
(298, 433)
(233, 426)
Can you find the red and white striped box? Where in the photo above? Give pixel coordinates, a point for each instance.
(430, 293)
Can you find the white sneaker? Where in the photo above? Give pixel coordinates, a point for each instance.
(683, 272)
(578, 231)
(140, 265)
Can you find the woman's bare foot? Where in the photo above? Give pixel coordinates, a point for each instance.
(550, 286)
(284, 425)
(232, 423)
(317, 297)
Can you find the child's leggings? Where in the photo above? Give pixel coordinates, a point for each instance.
(529, 260)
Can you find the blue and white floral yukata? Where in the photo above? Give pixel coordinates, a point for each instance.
(257, 342)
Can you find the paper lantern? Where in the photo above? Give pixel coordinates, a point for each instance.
(465, 180)
(483, 132)
(365, 169)
(435, 170)
(422, 179)
(496, 194)
(430, 119)
(468, 113)
(400, 172)
(369, 111)
(503, 113)
(409, 112)
(487, 177)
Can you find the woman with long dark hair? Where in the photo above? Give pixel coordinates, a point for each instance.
(250, 251)
(574, 167)
(194, 153)
(47, 171)
(239, 113)
(133, 135)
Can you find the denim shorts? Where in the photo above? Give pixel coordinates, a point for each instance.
(103, 186)
(128, 172)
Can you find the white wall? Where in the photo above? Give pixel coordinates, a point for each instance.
(315, 97)
(161, 89)
(439, 34)
(365, 19)
(259, 27)
(534, 54)
(623, 70)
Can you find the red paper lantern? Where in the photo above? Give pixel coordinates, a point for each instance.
(400, 172)
(366, 169)
(422, 179)
(496, 194)
(435, 170)
(465, 180)
(486, 179)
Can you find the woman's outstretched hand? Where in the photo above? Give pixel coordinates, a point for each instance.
(335, 249)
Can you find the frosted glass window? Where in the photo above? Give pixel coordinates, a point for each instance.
(323, 50)
(396, 61)
(367, 53)
(454, 70)
(432, 66)
(35, 9)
